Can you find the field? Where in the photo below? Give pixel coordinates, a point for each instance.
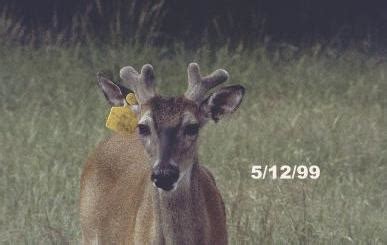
(310, 106)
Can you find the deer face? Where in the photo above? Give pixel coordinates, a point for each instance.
(169, 127)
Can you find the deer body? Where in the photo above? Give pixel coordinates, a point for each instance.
(119, 205)
(148, 187)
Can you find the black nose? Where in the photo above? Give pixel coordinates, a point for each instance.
(165, 177)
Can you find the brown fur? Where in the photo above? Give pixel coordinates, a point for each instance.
(118, 204)
(169, 110)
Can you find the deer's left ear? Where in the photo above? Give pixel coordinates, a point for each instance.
(224, 101)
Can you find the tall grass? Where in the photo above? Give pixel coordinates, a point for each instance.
(303, 106)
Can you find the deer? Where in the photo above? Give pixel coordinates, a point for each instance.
(148, 187)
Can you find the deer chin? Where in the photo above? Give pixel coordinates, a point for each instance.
(166, 189)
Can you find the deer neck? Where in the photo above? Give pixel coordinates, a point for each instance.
(180, 214)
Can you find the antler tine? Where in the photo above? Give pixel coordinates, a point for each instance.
(198, 86)
(142, 84)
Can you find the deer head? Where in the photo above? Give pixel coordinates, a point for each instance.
(169, 126)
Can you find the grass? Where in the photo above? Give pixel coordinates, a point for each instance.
(307, 107)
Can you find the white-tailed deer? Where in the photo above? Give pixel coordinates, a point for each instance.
(148, 187)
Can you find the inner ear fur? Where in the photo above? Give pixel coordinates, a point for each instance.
(222, 102)
(111, 91)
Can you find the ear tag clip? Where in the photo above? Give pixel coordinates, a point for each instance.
(122, 118)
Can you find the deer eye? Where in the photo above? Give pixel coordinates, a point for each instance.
(143, 129)
(191, 129)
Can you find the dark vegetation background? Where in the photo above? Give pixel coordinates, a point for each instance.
(315, 73)
(193, 22)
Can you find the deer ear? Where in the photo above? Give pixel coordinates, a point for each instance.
(111, 91)
(222, 102)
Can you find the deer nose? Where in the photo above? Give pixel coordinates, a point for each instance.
(165, 177)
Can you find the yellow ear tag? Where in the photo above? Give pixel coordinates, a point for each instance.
(122, 118)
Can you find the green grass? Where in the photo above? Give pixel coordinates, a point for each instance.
(313, 107)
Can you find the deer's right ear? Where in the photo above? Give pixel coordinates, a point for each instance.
(111, 91)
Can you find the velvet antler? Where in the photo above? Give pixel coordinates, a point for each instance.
(198, 86)
(142, 84)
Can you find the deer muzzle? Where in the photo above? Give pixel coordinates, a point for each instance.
(165, 176)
